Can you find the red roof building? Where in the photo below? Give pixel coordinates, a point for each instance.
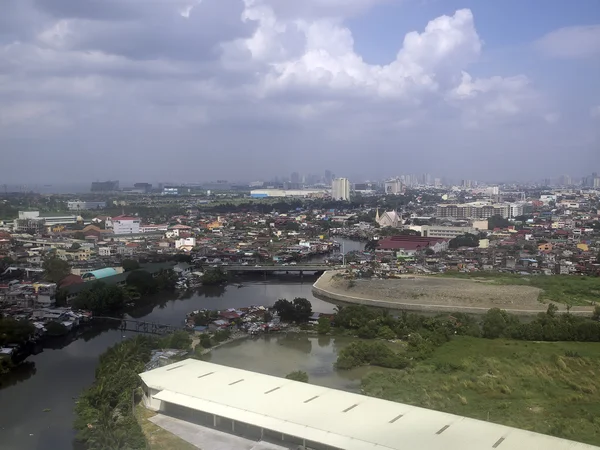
(412, 244)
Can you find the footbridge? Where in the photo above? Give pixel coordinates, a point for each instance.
(138, 326)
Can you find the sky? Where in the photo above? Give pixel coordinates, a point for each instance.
(198, 90)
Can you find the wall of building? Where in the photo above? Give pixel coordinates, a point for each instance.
(126, 226)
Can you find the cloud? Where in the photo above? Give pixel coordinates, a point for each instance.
(576, 42)
(328, 62)
(216, 81)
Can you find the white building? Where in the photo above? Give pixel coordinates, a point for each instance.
(126, 225)
(393, 187)
(442, 231)
(302, 415)
(388, 219)
(186, 244)
(340, 189)
(84, 206)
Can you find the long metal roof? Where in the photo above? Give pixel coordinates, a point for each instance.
(336, 418)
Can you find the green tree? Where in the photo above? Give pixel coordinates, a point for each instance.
(55, 269)
(303, 309)
(213, 276)
(99, 297)
(205, 341)
(129, 265)
(285, 309)
(178, 340)
(142, 281)
(372, 245)
(497, 323)
(15, 331)
(466, 240)
(75, 246)
(497, 221)
(298, 310)
(552, 310)
(298, 375)
(323, 325)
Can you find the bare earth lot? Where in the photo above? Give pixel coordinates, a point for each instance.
(423, 293)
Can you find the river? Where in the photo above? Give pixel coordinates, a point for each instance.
(36, 402)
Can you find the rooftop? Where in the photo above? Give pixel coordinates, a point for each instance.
(340, 419)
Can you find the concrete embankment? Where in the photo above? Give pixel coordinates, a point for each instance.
(426, 294)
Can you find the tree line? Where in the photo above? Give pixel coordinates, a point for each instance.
(101, 298)
(423, 334)
(105, 416)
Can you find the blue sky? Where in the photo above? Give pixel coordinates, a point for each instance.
(191, 90)
(502, 24)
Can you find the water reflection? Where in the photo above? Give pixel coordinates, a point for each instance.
(54, 378)
(21, 373)
(280, 355)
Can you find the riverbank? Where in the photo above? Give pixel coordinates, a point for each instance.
(427, 294)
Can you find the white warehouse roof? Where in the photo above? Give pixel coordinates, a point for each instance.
(332, 417)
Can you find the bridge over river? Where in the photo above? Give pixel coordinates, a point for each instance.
(278, 268)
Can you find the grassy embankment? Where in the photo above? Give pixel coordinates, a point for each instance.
(158, 438)
(529, 385)
(567, 289)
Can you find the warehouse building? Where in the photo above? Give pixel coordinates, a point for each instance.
(301, 415)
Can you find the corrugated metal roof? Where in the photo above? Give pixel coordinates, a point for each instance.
(100, 273)
(340, 419)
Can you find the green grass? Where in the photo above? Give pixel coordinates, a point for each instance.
(529, 385)
(567, 289)
(157, 437)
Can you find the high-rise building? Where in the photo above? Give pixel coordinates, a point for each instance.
(340, 189)
(393, 186)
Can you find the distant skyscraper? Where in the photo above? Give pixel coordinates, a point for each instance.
(295, 178)
(340, 189)
(328, 177)
(393, 186)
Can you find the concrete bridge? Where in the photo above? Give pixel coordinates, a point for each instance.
(138, 326)
(277, 268)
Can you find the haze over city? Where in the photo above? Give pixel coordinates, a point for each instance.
(189, 90)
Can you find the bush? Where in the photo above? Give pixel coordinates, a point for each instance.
(205, 341)
(298, 375)
(324, 325)
(364, 353)
(180, 340)
(222, 335)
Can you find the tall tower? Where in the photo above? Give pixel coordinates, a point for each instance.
(340, 189)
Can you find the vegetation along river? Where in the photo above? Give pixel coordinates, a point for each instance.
(36, 401)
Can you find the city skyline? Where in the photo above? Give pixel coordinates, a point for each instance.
(244, 89)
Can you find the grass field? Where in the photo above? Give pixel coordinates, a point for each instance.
(567, 289)
(529, 385)
(158, 438)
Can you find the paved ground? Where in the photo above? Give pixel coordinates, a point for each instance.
(207, 438)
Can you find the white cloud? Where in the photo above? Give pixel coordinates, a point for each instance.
(427, 62)
(282, 74)
(571, 42)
